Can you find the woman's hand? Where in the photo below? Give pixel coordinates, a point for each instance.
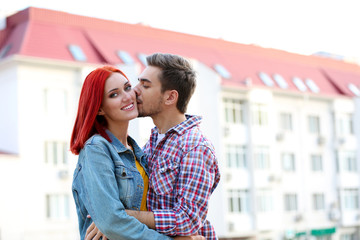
(93, 233)
(195, 237)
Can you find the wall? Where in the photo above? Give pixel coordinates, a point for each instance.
(9, 136)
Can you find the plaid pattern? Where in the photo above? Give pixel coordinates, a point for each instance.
(183, 173)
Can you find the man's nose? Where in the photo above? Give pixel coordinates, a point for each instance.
(137, 90)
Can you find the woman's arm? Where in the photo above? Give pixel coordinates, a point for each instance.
(101, 198)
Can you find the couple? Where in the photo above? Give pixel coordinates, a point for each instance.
(159, 192)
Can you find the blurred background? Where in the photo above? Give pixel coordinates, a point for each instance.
(278, 89)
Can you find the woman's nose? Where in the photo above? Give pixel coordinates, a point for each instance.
(129, 95)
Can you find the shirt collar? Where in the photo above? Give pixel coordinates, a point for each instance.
(191, 121)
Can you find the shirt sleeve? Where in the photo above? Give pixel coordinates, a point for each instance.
(101, 198)
(197, 178)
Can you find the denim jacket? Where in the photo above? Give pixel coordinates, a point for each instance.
(105, 183)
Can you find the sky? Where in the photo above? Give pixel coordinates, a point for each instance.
(299, 26)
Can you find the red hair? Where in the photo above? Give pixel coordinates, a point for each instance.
(87, 122)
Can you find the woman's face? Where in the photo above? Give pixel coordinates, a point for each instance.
(119, 101)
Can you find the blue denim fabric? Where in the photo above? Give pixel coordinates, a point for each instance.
(105, 183)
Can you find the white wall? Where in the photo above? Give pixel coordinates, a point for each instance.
(9, 136)
(24, 210)
(13, 199)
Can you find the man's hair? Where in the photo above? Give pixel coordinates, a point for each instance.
(176, 74)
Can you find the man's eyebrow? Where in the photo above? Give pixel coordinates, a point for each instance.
(144, 80)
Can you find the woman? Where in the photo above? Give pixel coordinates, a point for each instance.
(110, 175)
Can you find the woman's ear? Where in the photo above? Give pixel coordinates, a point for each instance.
(171, 97)
(101, 112)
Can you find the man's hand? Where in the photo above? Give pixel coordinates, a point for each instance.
(93, 233)
(195, 237)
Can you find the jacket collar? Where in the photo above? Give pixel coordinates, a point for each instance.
(121, 148)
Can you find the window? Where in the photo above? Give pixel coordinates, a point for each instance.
(77, 53)
(318, 201)
(316, 163)
(55, 102)
(264, 200)
(288, 162)
(57, 206)
(325, 237)
(56, 153)
(354, 89)
(236, 156)
(346, 161)
(234, 112)
(314, 124)
(266, 79)
(348, 236)
(290, 201)
(222, 71)
(262, 157)
(259, 115)
(312, 85)
(238, 201)
(350, 199)
(125, 57)
(280, 81)
(142, 58)
(286, 121)
(299, 84)
(345, 124)
(5, 50)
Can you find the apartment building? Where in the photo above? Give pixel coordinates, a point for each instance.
(283, 125)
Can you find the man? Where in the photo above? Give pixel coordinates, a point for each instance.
(182, 164)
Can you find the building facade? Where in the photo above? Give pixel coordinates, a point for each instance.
(284, 127)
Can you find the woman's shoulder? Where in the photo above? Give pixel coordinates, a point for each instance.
(96, 144)
(96, 141)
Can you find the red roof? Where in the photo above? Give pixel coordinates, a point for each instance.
(46, 34)
(6, 153)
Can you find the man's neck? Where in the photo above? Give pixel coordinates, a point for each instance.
(167, 120)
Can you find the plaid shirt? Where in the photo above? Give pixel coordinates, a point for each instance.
(183, 173)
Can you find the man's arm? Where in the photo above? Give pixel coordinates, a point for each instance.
(196, 179)
(144, 217)
(93, 233)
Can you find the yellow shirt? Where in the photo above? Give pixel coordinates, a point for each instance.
(146, 185)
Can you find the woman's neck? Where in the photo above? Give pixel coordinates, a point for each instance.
(121, 133)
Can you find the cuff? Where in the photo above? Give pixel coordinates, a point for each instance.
(165, 221)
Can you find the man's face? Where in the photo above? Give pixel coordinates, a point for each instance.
(148, 91)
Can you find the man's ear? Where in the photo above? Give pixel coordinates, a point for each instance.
(101, 112)
(171, 97)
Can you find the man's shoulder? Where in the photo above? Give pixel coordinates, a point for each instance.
(194, 137)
